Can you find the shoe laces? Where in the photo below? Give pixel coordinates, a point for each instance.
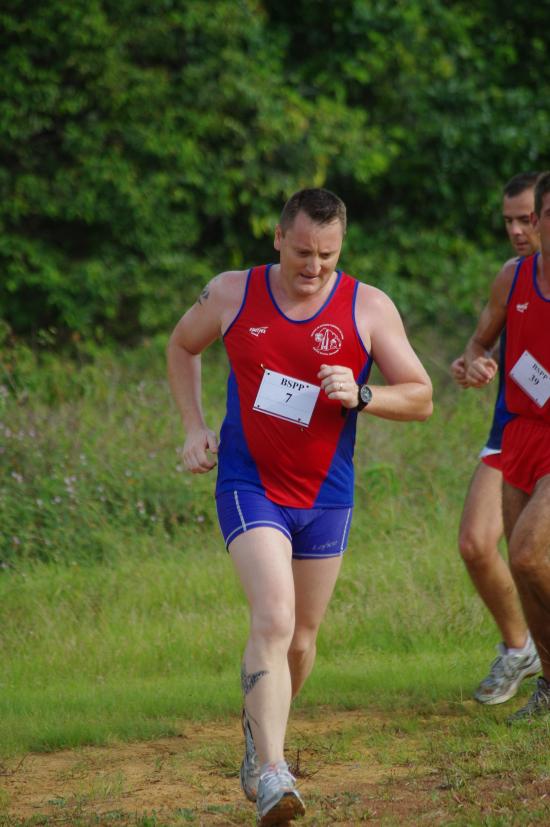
(277, 776)
(505, 665)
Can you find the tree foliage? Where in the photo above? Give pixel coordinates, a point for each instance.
(148, 145)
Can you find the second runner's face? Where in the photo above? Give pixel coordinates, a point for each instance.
(517, 219)
(309, 254)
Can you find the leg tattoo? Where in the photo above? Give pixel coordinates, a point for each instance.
(249, 680)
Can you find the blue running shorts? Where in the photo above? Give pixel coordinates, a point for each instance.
(314, 533)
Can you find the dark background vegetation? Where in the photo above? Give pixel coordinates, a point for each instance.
(147, 146)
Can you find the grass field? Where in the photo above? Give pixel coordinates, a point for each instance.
(120, 616)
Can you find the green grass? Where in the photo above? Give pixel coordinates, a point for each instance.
(119, 611)
(454, 765)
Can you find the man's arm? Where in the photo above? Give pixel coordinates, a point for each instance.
(480, 366)
(458, 366)
(408, 393)
(199, 327)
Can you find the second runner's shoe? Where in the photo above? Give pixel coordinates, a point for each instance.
(537, 706)
(507, 672)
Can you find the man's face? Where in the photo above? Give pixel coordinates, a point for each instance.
(517, 212)
(309, 254)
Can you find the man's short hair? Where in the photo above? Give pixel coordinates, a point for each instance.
(541, 188)
(321, 205)
(519, 183)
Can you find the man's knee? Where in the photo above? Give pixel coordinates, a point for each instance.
(526, 557)
(273, 622)
(303, 642)
(476, 550)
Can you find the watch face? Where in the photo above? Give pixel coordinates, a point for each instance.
(365, 394)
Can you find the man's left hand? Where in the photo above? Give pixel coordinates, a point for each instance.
(339, 383)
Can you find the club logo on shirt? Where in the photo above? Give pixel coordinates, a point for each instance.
(521, 308)
(328, 339)
(257, 331)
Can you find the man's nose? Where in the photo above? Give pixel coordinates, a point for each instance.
(313, 265)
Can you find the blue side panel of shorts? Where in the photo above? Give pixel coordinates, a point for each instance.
(501, 415)
(236, 467)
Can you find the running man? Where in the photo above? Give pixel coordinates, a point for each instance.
(520, 301)
(301, 337)
(481, 526)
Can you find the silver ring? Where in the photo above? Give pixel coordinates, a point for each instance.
(340, 386)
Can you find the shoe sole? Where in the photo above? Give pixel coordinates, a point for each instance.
(285, 810)
(501, 699)
(246, 790)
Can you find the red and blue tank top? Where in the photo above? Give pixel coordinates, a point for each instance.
(527, 344)
(281, 435)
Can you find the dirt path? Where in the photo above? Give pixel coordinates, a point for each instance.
(353, 769)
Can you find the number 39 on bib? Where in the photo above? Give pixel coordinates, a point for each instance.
(532, 378)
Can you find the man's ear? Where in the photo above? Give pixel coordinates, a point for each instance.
(278, 237)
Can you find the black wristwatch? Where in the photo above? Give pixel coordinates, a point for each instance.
(364, 396)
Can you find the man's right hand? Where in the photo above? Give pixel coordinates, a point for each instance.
(481, 371)
(198, 444)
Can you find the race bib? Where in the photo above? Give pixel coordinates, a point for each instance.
(286, 397)
(532, 378)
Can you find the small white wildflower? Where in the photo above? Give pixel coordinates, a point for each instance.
(200, 518)
(17, 477)
(179, 468)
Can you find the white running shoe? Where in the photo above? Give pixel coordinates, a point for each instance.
(278, 799)
(507, 672)
(250, 767)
